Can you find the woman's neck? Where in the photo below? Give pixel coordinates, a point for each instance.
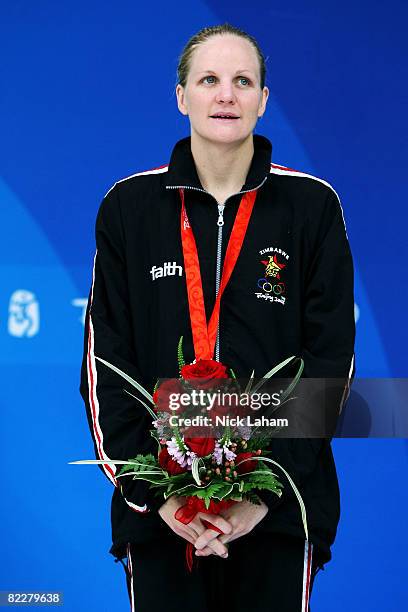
(222, 169)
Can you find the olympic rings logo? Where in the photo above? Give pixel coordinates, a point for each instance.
(266, 286)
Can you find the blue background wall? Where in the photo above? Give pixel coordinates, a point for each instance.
(87, 98)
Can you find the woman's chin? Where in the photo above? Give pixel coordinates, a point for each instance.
(224, 137)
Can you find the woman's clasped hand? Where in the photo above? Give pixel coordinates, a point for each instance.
(235, 522)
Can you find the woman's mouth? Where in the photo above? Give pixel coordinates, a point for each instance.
(225, 118)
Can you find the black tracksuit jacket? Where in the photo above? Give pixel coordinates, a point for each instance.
(138, 309)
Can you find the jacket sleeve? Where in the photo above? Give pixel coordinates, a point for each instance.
(328, 336)
(118, 423)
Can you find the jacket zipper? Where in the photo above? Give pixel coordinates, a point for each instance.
(220, 224)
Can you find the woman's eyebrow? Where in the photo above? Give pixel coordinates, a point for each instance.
(214, 72)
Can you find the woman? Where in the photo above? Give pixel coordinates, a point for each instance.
(290, 293)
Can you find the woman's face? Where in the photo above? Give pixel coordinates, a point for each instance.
(224, 78)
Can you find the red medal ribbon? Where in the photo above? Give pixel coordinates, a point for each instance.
(204, 336)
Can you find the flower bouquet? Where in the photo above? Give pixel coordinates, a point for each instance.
(211, 471)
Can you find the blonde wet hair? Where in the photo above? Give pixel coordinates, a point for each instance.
(202, 36)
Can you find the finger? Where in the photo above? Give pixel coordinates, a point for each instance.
(205, 538)
(211, 540)
(186, 534)
(225, 539)
(213, 549)
(217, 520)
(204, 552)
(197, 526)
(195, 533)
(218, 548)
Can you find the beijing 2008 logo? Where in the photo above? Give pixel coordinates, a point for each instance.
(272, 286)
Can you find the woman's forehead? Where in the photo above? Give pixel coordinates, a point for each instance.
(222, 50)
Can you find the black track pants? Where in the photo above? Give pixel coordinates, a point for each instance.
(263, 572)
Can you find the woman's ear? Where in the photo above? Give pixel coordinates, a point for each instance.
(264, 99)
(180, 93)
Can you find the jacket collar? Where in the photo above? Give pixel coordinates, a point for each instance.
(182, 171)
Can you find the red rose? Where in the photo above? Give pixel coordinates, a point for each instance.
(161, 396)
(203, 372)
(201, 446)
(167, 463)
(246, 467)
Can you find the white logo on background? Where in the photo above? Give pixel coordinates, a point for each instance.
(81, 303)
(24, 314)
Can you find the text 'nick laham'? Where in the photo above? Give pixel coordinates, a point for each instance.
(169, 268)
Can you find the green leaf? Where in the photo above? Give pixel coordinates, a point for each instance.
(152, 479)
(276, 369)
(226, 435)
(148, 459)
(141, 463)
(126, 468)
(249, 385)
(149, 410)
(180, 356)
(210, 490)
(248, 486)
(261, 479)
(128, 378)
(179, 439)
(253, 498)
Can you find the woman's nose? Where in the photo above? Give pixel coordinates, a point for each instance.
(225, 92)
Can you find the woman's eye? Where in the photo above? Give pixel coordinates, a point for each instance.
(210, 79)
